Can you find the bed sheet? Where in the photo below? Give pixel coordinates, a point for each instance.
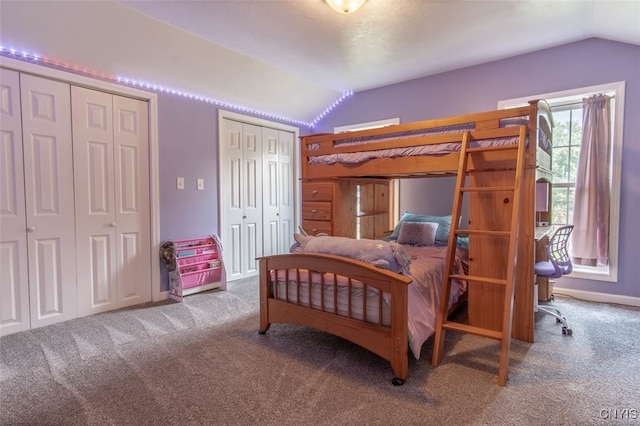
(427, 270)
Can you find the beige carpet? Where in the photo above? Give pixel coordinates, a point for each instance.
(202, 362)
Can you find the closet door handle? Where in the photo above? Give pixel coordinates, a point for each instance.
(31, 229)
(112, 225)
(244, 217)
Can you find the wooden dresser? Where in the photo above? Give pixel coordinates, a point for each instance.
(346, 207)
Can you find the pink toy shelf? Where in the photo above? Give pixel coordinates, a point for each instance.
(199, 267)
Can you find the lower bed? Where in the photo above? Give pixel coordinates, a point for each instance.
(384, 312)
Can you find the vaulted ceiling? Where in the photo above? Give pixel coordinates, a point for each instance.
(294, 58)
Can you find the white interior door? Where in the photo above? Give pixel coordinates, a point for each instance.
(133, 235)
(278, 208)
(48, 173)
(14, 283)
(252, 200)
(286, 199)
(231, 195)
(241, 197)
(112, 200)
(95, 205)
(271, 192)
(257, 190)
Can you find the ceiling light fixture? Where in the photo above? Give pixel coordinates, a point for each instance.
(345, 6)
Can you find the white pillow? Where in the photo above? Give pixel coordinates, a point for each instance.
(418, 233)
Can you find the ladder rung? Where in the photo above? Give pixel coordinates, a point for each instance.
(481, 232)
(487, 188)
(492, 148)
(466, 328)
(477, 279)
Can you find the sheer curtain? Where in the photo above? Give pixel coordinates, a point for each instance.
(590, 238)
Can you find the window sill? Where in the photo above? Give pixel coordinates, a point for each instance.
(597, 273)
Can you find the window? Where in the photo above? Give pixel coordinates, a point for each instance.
(394, 214)
(567, 132)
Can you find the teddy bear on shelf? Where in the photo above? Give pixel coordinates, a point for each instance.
(167, 254)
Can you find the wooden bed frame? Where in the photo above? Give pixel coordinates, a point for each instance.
(484, 301)
(389, 342)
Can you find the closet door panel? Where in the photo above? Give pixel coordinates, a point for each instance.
(252, 158)
(48, 162)
(286, 206)
(14, 285)
(131, 173)
(231, 198)
(270, 192)
(95, 200)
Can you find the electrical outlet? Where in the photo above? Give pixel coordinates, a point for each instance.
(200, 184)
(180, 183)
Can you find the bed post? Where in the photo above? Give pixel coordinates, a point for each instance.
(399, 333)
(265, 277)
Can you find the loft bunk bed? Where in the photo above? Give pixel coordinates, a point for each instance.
(420, 149)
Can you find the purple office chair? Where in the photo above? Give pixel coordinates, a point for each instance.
(559, 264)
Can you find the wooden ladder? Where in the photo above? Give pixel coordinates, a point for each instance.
(443, 323)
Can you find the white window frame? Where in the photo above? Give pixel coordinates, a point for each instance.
(610, 272)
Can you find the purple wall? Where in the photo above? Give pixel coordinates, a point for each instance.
(188, 147)
(479, 88)
(188, 133)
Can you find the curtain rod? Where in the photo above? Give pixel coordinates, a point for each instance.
(577, 101)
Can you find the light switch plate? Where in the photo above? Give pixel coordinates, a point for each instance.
(180, 183)
(200, 184)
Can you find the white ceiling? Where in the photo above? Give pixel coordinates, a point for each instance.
(390, 41)
(293, 58)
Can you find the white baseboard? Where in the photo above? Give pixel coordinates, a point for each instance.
(592, 296)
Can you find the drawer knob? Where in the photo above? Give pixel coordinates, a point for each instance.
(314, 192)
(314, 211)
(314, 230)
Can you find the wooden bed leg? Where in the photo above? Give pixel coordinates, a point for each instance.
(397, 382)
(399, 333)
(264, 295)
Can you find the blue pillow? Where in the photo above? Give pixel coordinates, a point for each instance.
(442, 233)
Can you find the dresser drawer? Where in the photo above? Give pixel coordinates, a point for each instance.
(317, 191)
(316, 210)
(315, 227)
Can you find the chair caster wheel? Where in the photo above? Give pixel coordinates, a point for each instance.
(567, 331)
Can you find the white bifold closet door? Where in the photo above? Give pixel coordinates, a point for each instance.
(14, 302)
(48, 177)
(278, 193)
(241, 197)
(111, 168)
(257, 196)
(37, 259)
